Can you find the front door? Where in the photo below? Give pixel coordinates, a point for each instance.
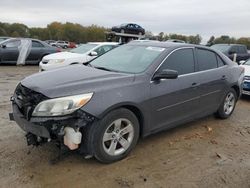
(10, 51)
(175, 100)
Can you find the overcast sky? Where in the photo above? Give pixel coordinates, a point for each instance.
(204, 17)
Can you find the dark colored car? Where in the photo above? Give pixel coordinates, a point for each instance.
(230, 49)
(129, 28)
(132, 91)
(9, 51)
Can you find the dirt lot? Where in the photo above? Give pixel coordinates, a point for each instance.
(205, 153)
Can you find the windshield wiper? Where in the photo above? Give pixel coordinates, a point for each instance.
(103, 68)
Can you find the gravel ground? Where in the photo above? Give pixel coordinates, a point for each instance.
(205, 153)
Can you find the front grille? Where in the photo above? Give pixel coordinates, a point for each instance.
(27, 99)
(247, 78)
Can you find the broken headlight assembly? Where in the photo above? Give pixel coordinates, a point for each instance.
(61, 106)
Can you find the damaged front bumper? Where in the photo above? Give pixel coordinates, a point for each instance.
(65, 130)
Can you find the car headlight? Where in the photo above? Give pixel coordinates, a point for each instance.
(53, 61)
(61, 106)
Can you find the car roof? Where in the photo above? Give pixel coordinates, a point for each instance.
(166, 44)
(229, 44)
(104, 43)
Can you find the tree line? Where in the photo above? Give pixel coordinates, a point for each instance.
(56, 31)
(81, 34)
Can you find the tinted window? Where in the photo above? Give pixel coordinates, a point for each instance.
(36, 44)
(181, 61)
(220, 62)
(13, 44)
(234, 49)
(206, 59)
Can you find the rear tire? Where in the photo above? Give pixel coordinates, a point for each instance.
(114, 136)
(228, 104)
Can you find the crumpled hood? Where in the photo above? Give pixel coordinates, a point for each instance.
(73, 80)
(64, 55)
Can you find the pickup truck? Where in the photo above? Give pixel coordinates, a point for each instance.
(230, 49)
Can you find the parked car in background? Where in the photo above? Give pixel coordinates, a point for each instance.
(50, 41)
(246, 83)
(60, 44)
(230, 49)
(72, 45)
(83, 54)
(134, 90)
(9, 51)
(3, 38)
(130, 28)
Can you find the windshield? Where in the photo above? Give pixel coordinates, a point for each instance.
(83, 48)
(221, 48)
(128, 58)
(247, 62)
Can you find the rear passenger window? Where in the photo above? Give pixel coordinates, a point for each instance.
(36, 44)
(181, 61)
(220, 62)
(206, 59)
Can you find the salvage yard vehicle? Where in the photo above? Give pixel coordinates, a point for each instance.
(132, 91)
(82, 54)
(246, 84)
(130, 28)
(230, 49)
(9, 51)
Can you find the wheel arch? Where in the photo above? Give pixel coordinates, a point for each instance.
(133, 108)
(237, 90)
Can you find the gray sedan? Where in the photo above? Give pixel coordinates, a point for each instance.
(132, 91)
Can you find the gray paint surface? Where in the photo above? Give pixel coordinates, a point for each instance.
(163, 104)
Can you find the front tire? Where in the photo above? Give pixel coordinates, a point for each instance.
(114, 136)
(227, 106)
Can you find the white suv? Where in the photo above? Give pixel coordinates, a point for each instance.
(60, 44)
(83, 54)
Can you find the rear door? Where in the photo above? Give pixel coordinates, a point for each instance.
(35, 53)
(175, 100)
(212, 72)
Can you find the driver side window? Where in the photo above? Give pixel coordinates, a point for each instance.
(181, 61)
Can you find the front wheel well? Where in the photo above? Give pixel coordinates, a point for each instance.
(237, 90)
(138, 114)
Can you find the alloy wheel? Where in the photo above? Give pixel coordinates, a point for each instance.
(118, 137)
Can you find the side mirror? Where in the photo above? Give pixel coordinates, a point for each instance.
(93, 53)
(3, 46)
(165, 74)
(242, 62)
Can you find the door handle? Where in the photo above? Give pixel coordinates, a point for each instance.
(195, 84)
